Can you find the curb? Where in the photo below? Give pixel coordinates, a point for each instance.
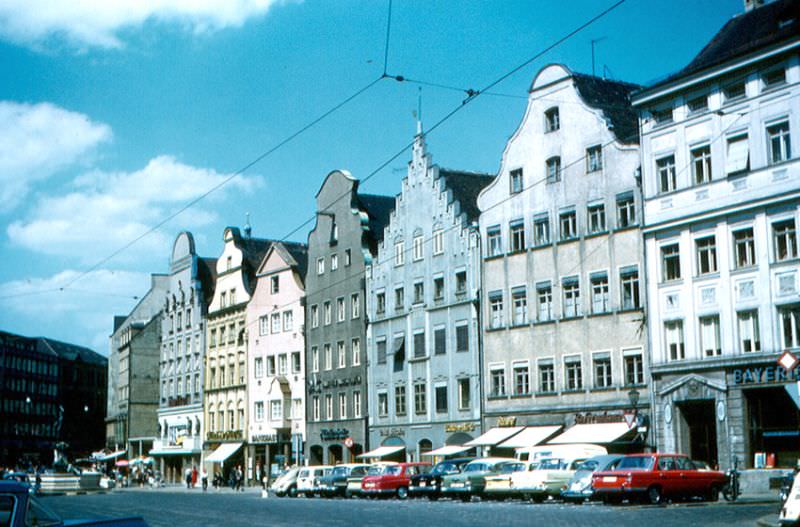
(767, 521)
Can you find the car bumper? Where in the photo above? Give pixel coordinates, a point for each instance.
(377, 492)
(458, 490)
(428, 489)
(619, 491)
(577, 494)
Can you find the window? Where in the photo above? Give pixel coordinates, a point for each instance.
(228, 263)
(778, 142)
(461, 282)
(259, 411)
(629, 287)
(553, 166)
(419, 344)
(734, 90)
(223, 298)
(519, 300)
(599, 293)
(274, 282)
(399, 253)
(328, 312)
(342, 405)
(709, 336)
(399, 299)
(440, 395)
(521, 379)
(263, 325)
(438, 241)
(320, 265)
(498, 381)
(569, 225)
(517, 235)
(334, 262)
(544, 300)
(420, 403)
(380, 303)
(439, 340)
(516, 180)
(258, 367)
(462, 337)
(626, 210)
(315, 408)
(314, 316)
(573, 373)
(438, 288)
(665, 168)
(572, 297)
(356, 403)
(314, 359)
(674, 338)
(774, 77)
(551, 120)
(288, 320)
(328, 356)
(494, 241)
(594, 158)
(355, 351)
(341, 354)
(701, 164)
(355, 305)
(463, 394)
(380, 349)
(784, 237)
(749, 337)
(347, 257)
(496, 309)
(744, 248)
(270, 365)
(602, 370)
(329, 407)
(547, 376)
(295, 362)
(670, 262)
(706, 255)
(419, 292)
(418, 247)
(634, 368)
(597, 218)
(399, 344)
(662, 115)
(541, 229)
(334, 232)
(738, 154)
(276, 322)
(400, 400)
(283, 367)
(276, 410)
(698, 104)
(340, 310)
(790, 324)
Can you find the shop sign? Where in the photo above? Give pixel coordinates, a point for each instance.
(507, 421)
(230, 435)
(386, 432)
(764, 375)
(591, 419)
(270, 438)
(459, 427)
(334, 434)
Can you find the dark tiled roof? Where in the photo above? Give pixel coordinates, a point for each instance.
(466, 186)
(762, 27)
(298, 251)
(613, 98)
(207, 274)
(70, 352)
(379, 208)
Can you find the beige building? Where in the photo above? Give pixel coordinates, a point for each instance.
(563, 339)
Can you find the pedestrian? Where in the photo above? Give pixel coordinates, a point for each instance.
(239, 478)
(188, 476)
(194, 476)
(204, 478)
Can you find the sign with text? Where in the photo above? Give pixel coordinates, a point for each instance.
(764, 375)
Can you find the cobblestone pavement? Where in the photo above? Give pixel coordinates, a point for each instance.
(172, 507)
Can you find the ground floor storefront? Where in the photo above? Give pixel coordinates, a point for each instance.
(421, 442)
(738, 408)
(221, 458)
(329, 443)
(269, 454)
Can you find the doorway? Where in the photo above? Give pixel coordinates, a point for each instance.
(700, 431)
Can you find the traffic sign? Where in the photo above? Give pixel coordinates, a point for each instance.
(788, 361)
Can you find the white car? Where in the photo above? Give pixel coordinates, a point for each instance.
(790, 512)
(286, 483)
(308, 479)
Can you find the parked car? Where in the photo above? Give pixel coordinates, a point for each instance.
(579, 487)
(790, 510)
(19, 509)
(472, 479)
(286, 483)
(392, 480)
(308, 479)
(430, 483)
(335, 483)
(655, 477)
(353, 488)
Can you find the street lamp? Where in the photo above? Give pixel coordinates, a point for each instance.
(633, 396)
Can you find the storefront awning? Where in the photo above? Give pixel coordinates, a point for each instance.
(223, 452)
(596, 433)
(494, 436)
(109, 457)
(447, 450)
(381, 451)
(173, 452)
(531, 436)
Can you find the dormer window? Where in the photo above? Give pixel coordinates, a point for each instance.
(774, 77)
(734, 91)
(662, 115)
(552, 121)
(698, 104)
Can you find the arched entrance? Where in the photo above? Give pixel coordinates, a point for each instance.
(398, 456)
(458, 439)
(356, 451)
(335, 455)
(315, 455)
(423, 447)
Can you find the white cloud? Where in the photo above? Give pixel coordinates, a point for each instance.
(99, 22)
(37, 140)
(106, 210)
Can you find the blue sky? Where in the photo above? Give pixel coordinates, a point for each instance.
(113, 115)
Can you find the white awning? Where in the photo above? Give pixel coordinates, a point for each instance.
(447, 450)
(173, 452)
(531, 436)
(597, 433)
(223, 452)
(494, 436)
(109, 457)
(381, 451)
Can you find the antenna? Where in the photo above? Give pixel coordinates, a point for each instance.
(595, 41)
(419, 111)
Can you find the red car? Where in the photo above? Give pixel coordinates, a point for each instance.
(387, 480)
(654, 477)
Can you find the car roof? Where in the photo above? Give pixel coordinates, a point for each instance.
(458, 460)
(12, 486)
(495, 460)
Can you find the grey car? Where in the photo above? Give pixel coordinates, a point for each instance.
(579, 487)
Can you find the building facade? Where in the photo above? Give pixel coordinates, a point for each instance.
(721, 208)
(133, 374)
(183, 342)
(343, 241)
(225, 401)
(424, 367)
(564, 344)
(276, 360)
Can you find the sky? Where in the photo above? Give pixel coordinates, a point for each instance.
(115, 115)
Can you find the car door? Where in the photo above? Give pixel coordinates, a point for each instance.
(668, 475)
(695, 482)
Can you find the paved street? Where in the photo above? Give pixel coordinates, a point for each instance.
(181, 508)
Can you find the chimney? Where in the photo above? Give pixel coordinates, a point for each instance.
(749, 5)
(248, 230)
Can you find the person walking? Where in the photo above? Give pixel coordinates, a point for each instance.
(194, 476)
(188, 476)
(204, 478)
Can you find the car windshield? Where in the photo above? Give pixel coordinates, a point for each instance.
(40, 515)
(551, 464)
(636, 463)
(358, 471)
(505, 468)
(589, 465)
(393, 470)
(303, 474)
(475, 467)
(377, 470)
(340, 471)
(445, 467)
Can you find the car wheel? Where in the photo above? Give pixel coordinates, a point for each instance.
(713, 493)
(402, 493)
(654, 495)
(348, 494)
(292, 493)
